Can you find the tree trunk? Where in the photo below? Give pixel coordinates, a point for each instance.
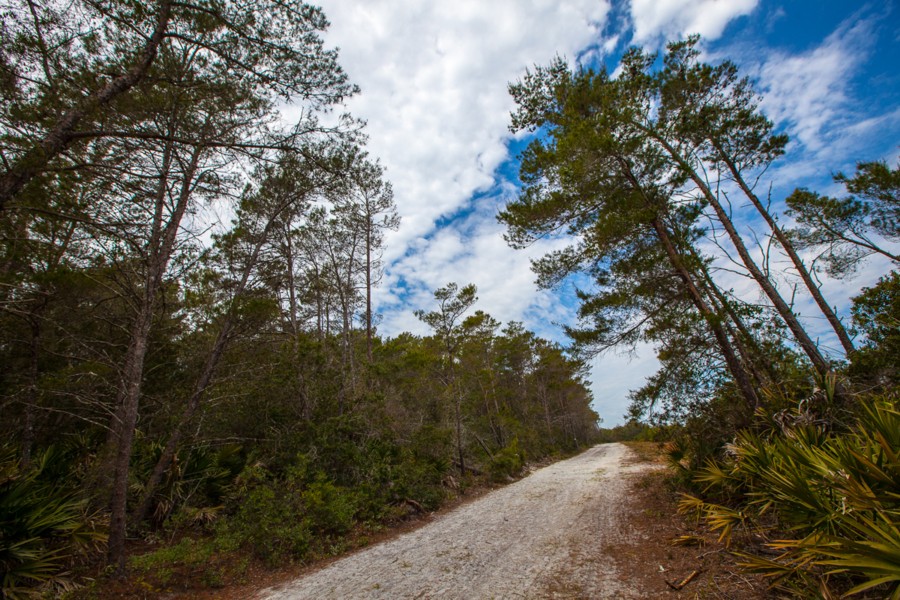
(159, 252)
(546, 406)
(806, 343)
(32, 401)
(292, 291)
(369, 290)
(459, 448)
(320, 324)
(130, 395)
(206, 375)
(171, 448)
(713, 321)
(744, 340)
(35, 319)
(785, 242)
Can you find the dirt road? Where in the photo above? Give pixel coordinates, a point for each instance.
(541, 537)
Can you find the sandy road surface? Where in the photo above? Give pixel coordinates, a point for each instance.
(541, 537)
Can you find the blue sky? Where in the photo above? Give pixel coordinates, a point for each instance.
(434, 78)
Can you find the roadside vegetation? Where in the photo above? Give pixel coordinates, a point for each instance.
(788, 452)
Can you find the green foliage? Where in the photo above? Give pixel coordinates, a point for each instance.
(188, 551)
(425, 463)
(847, 230)
(331, 509)
(195, 484)
(314, 480)
(622, 170)
(876, 314)
(286, 518)
(633, 430)
(43, 524)
(269, 522)
(453, 302)
(508, 462)
(827, 502)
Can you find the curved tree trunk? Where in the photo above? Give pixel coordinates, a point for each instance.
(167, 456)
(746, 343)
(159, 252)
(713, 320)
(735, 367)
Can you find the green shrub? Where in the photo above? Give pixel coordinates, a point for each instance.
(42, 525)
(420, 467)
(187, 551)
(193, 487)
(419, 480)
(508, 462)
(876, 314)
(832, 501)
(286, 518)
(271, 522)
(329, 509)
(433, 445)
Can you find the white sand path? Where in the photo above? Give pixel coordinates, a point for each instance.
(540, 537)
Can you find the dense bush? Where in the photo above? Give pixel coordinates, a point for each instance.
(876, 313)
(827, 503)
(508, 462)
(43, 524)
(282, 519)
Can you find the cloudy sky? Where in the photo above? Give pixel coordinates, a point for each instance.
(434, 81)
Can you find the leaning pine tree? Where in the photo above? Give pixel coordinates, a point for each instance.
(634, 153)
(601, 180)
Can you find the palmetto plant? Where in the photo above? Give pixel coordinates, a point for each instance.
(828, 504)
(42, 525)
(195, 483)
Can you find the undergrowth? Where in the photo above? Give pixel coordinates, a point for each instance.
(823, 504)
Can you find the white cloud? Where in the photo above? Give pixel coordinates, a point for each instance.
(434, 78)
(614, 375)
(661, 20)
(471, 249)
(808, 93)
(434, 93)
